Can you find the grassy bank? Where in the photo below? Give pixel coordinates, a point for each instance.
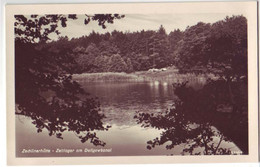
(171, 74)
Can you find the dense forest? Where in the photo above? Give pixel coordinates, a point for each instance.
(200, 48)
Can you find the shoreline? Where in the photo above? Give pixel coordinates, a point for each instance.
(140, 76)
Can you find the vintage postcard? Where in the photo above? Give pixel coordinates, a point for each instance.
(132, 83)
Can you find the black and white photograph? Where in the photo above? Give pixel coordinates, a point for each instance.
(131, 84)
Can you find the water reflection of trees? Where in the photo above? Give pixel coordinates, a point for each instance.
(203, 119)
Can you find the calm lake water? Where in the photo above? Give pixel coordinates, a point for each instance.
(119, 102)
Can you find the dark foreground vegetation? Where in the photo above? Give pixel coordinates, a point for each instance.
(46, 92)
(196, 114)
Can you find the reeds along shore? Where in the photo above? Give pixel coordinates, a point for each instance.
(140, 76)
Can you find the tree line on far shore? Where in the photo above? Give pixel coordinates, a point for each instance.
(220, 48)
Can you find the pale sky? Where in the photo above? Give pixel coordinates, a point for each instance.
(138, 22)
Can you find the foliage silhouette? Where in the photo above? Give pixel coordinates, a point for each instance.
(198, 117)
(44, 89)
(36, 28)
